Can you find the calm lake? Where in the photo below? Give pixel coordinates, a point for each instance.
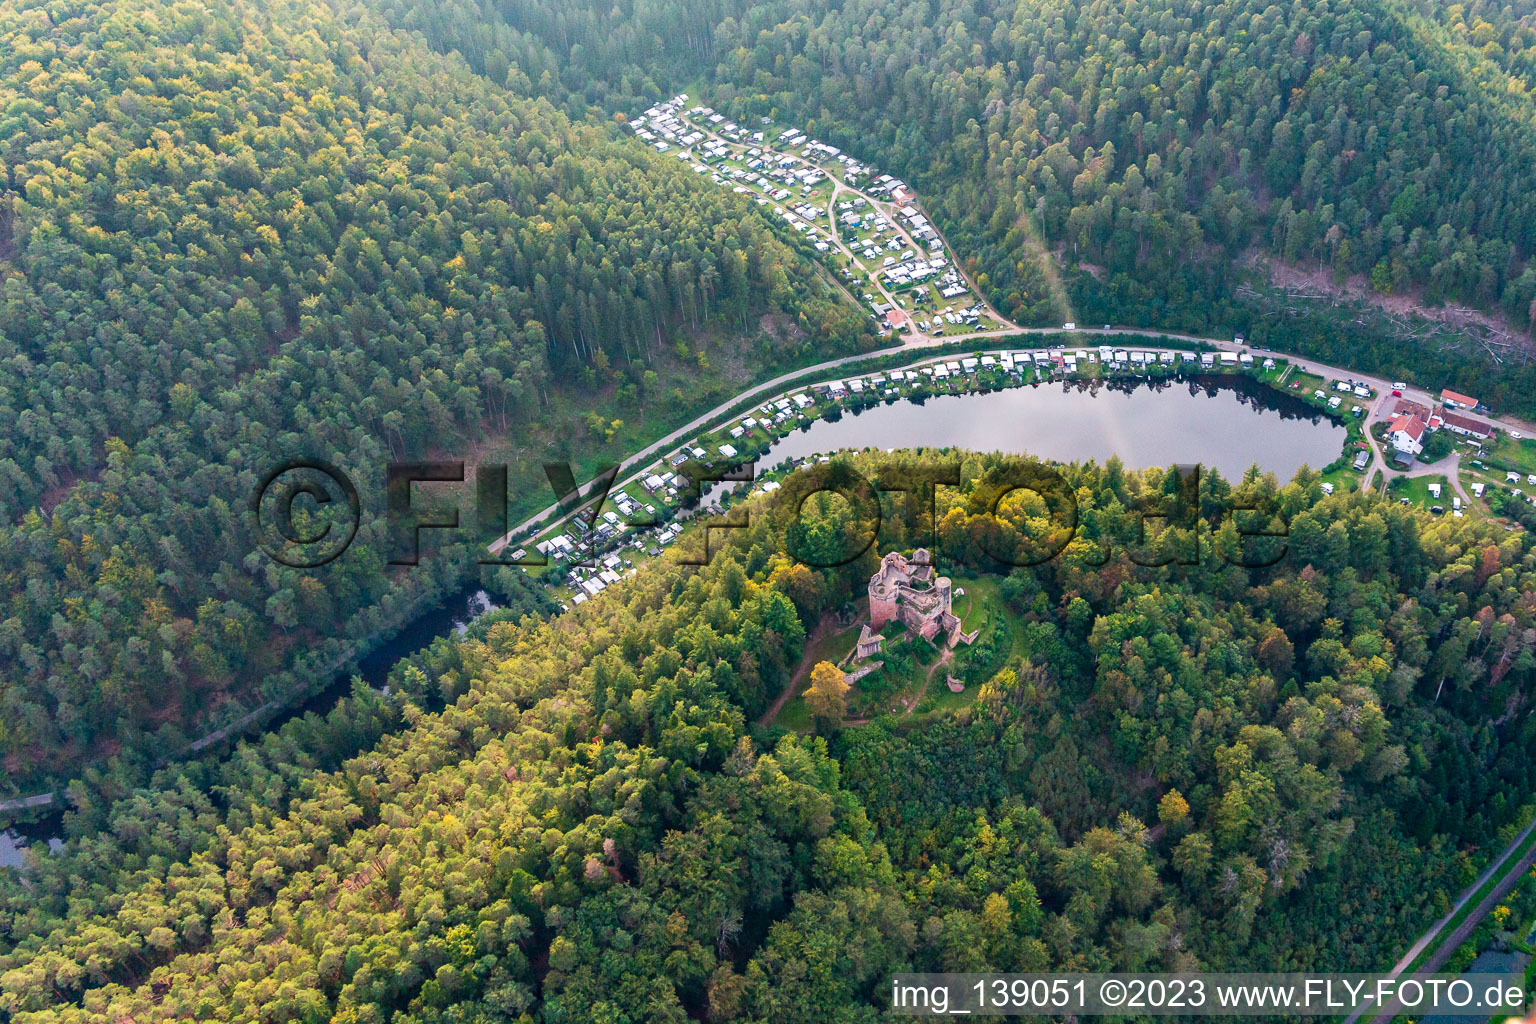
(1221, 422)
(1228, 423)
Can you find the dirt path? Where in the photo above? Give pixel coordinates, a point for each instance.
(817, 634)
(944, 659)
(849, 723)
(838, 188)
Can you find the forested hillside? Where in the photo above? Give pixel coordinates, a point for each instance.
(232, 234)
(1384, 139)
(1178, 767)
(1347, 136)
(236, 233)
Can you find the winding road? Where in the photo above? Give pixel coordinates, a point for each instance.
(995, 341)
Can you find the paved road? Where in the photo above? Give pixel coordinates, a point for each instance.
(999, 340)
(1450, 466)
(771, 390)
(646, 455)
(1510, 876)
(916, 340)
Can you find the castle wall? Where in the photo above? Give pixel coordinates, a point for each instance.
(881, 611)
(924, 611)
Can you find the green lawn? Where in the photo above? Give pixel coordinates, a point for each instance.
(833, 647)
(1416, 490)
(1303, 385)
(944, 700)
(1517, 455)
(981, 593)
(981, 598)
(1286, 374)
(1481, 475)
(1344, 480)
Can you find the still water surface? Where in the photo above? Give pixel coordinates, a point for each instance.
(1225, 423)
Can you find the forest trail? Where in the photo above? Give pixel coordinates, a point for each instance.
(944, 659)
(819, 633)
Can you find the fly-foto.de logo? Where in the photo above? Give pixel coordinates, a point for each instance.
(307, 512)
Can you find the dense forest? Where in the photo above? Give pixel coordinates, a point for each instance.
(235, 234)
(1069, 147)
(366, 231)
(1177, 767)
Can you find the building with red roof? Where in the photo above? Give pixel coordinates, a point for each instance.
(1466, 425)
(1453, 400)
(1406, 434)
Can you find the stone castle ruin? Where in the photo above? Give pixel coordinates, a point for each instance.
(907, 591)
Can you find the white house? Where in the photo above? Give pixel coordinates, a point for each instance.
(1406, 434)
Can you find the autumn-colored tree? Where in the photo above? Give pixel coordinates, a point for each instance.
(1173, 812)
(827, 696)
(1488, 565)
(1276, 653)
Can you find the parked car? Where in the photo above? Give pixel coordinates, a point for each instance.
(1399, 386)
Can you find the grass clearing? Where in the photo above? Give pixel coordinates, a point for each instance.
(1518, 455)
(1416, 490)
